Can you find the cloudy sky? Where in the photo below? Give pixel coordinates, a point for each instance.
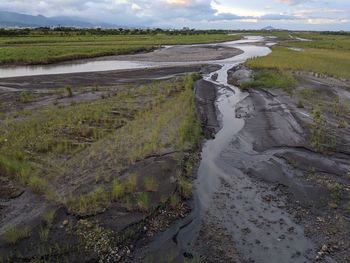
(227, 14)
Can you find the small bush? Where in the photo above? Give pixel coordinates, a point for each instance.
(118, 190)
(150, 184)
(14, 234)
(143, 201)
(37, 184)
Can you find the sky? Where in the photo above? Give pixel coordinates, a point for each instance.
(201, 14)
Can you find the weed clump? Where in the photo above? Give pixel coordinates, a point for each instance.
(131, 183)
(37, 184)
(143, 201)
(150, 184)
(320, 137)
(300, 104)
(69, 91)
(118, 190)
(14, 234)
(185, 187)
(174, 200)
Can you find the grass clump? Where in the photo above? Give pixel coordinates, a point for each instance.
(118, 190)
(48, 217)
(14, 234)
(16, 167)
(271, 79)
(90, 203)
(185, 186)
(174, 200)
(150, 184)
(25, 97)
(300, 104)
(69, 91)
(131, 183)
(321, 140)
(143, 201)
(44, 234)
(37, 184)
(128, 203)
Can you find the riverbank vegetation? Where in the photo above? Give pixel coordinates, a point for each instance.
(129, 151)
(46, 46)
(270, 79)
(136, 123)
(324, 54)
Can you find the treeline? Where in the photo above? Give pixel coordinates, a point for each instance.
(100, 31)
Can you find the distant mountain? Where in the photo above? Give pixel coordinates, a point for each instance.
(12, 19)
(269, 28)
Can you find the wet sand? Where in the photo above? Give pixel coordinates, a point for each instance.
(190, 53)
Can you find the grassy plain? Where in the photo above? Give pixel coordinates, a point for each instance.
(44, 49)
(325, 54)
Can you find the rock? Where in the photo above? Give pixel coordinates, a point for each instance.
(65, 222)
(324, 248)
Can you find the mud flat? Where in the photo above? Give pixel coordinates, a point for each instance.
(190, 53)
(271, 183)
(274, 190)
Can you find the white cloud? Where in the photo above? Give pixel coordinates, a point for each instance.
(202, 13)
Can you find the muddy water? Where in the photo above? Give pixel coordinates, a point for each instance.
(66, 68)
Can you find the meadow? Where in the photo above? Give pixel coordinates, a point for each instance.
(39, 48)
(325, 54)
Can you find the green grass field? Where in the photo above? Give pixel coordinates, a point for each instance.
(325, 54)
(44, 49)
